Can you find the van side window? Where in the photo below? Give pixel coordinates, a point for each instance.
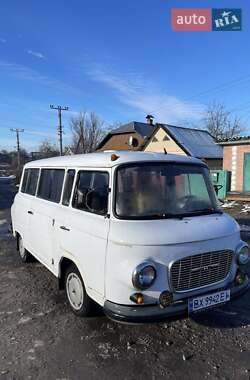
(50, 185)
(30, 180)
(91, 192)
(68, 187)
(24, 182)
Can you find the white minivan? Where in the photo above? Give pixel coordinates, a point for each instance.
(141, 234)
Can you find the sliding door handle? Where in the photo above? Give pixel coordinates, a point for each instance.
(64, 228)
(30, 212)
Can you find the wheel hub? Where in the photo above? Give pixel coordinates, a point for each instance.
(74, 290)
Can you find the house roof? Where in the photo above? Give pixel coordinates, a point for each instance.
(143, 129)
(234, 140)
(196, 142)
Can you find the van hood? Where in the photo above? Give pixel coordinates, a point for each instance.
(172, 231)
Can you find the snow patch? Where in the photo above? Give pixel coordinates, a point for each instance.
(229, 204)
(244, 228)
(245, 209)
(38, 343)
(24, 320)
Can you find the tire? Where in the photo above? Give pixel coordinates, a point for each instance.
(23, 253)
(81, 304)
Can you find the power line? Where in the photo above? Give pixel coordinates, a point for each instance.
(60, 128)
(17, 131)
(216, 88)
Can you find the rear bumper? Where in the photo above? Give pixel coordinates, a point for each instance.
(154, 313)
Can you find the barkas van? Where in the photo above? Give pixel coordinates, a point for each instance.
(141, 234)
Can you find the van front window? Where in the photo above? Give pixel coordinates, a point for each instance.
(148, 191)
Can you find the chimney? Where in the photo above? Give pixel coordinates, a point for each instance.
(150, 119)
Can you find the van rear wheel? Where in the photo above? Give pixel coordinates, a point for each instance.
(24, 254)
(80, 303)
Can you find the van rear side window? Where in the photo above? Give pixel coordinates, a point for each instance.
(68, 187)
(30, 179)
(50, 185)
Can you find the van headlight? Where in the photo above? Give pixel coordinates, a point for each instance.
(243, 253)
(144, 275)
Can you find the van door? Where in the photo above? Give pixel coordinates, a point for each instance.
(246, 172)
(23, 204)
(85, 231)
(45, 209)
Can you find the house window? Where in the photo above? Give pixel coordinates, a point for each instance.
(155, 139)
(166, 138)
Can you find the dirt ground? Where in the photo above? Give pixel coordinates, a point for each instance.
(41, 339)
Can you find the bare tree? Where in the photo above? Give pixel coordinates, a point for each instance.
(88, 130)
(47, 149)
(221, 123)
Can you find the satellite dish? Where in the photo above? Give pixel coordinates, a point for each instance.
(132, 141)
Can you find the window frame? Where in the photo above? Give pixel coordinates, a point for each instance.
(92, 170)
(21, 184)
(64, 185)
(40, 176)
(22, 181)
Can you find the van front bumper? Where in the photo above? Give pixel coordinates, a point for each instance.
(155, 314)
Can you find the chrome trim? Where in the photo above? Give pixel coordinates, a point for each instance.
(138, 268)
(203, 286)
(239, 248)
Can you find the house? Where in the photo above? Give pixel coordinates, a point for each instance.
(186, 141)
(151, 137)
(236, 159)
(131, 136)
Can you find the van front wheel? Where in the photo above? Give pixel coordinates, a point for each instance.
(76, 293)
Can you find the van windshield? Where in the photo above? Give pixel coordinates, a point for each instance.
(156, 191)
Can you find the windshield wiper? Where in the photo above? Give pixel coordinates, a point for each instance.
(204, 211)
(165, 216)
(180, 216)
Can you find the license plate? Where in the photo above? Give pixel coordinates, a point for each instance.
(209, 300)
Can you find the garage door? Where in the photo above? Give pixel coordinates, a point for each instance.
(247, 172)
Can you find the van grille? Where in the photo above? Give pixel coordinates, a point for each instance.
(200, 270)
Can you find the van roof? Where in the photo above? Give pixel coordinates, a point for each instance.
(103, 159)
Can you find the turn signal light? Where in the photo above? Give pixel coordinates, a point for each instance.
(240, 278)
(114, 157)
(137, 298)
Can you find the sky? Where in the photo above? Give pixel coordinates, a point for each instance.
(118, 58)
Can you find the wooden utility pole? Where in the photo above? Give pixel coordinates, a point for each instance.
(17, 131)
(60, 127)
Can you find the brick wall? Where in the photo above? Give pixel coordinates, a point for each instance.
(233, 160)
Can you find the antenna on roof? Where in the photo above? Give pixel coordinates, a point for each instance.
(165, 151)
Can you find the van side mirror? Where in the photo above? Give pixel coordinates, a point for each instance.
(218, 187)
(97, 200)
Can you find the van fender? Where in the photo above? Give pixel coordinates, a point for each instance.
(90, 292)
(67, 255)
(15, 234)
